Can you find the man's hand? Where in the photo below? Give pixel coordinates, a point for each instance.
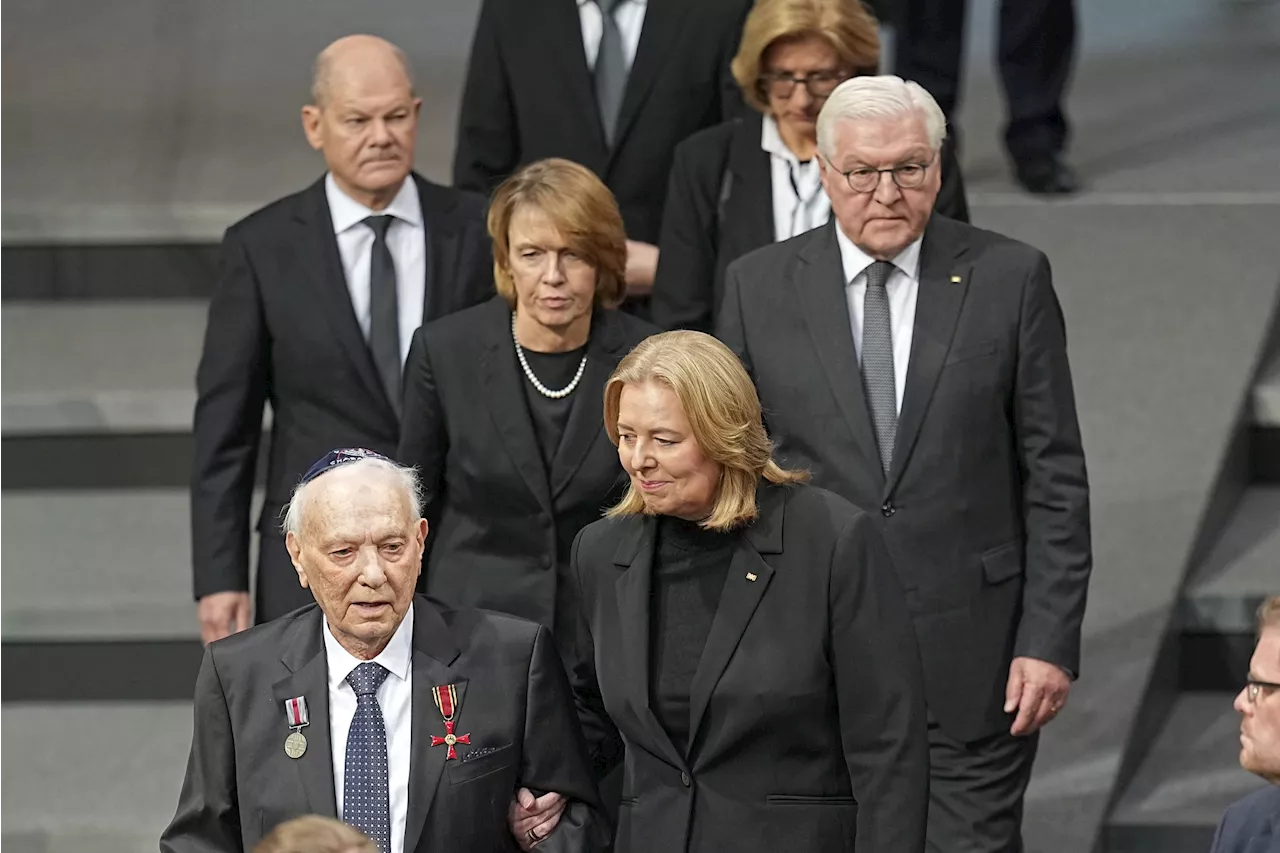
(222, 614)
(1037, 690)
(533, 818)
(642, 266)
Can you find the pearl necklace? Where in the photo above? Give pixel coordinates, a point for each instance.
(528, 372)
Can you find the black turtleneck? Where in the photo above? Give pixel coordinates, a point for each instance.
(689, 572)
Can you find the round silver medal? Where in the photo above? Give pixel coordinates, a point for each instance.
(295, 745)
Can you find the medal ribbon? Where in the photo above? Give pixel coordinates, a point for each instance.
(446, 697)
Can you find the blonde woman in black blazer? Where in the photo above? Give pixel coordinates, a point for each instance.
(741, 642)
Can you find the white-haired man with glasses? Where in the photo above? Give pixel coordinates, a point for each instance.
(1252, 825)
(917, 366)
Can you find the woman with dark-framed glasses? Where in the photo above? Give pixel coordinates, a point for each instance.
(753, 181)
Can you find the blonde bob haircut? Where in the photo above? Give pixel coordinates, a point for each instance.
(720, 401)
(581, 208)
(846, 25)
(315, 834)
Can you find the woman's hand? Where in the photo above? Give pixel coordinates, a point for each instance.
(642, 266)
(531, 818)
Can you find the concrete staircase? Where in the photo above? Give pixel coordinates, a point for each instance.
(100, 643)
(1184, 754)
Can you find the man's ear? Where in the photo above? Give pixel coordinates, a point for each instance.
(312, 126)
(294, 547)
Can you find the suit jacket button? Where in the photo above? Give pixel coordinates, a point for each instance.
(685, 780)
(888, 509)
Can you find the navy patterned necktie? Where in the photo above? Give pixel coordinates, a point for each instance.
(366, 799)
(877, 360)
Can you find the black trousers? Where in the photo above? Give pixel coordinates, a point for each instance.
(976, 791)
(1035, 48)
(278, 589)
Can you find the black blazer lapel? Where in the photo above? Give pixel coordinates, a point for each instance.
(820, 289)
(584, 428)
(501, 379)
(305, 658)
(443, 250)
(433, 653)
(662, 19)
(748, 578)
(323, 264)
(944, 281)
(635, 554)
(748, 219)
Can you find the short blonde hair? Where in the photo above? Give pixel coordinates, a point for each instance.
(723, 409)
(1269, 614)
(581, 208)
(846, 25)
(315, 834)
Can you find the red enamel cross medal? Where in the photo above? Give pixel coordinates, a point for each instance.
(447, 701)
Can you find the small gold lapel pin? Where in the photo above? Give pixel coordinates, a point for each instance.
(955, 279)
(751, 576)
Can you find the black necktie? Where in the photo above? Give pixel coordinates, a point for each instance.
(384, 310)
(877, 360)
(610, 70)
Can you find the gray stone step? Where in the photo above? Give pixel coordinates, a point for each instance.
(106, 614)
(80, 368)
(91, 777)
(1266, 394)
(1216, 613)
(1189, 777)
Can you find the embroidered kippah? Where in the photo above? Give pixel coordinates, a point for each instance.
(337, 458)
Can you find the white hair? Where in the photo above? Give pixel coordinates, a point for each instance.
(407, 481)
(883, 96)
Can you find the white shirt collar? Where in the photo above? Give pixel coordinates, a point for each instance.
(395, 658)
(855, 261)
(582, 3)
(346, 212)
(771, 141)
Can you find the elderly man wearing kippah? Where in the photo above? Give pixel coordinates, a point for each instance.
(412, 723)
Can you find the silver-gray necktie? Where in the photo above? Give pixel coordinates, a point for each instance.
(384, 310)
(877, 360)
(610, 70)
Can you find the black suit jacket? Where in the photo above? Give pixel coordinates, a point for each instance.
(720, 207)
(1251, 825)
(986, 507)
(502, 524)
(807, 725)
(529, 95)
(281, 329)
(513, 699)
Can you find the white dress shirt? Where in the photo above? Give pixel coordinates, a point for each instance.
(407, 240)
(799, 202)
(395, 698)
(629, 15)
(903, 289)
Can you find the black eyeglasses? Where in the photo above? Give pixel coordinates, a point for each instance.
(1253, 688)
(820, 83)
(908, 176)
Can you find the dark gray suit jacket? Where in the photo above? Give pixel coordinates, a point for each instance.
(807, 729)
(1251, 825)
(986, 507)
(513, 699)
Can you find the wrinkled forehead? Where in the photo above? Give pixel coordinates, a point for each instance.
(355, 503)
(1265, 663)
(872, 139)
